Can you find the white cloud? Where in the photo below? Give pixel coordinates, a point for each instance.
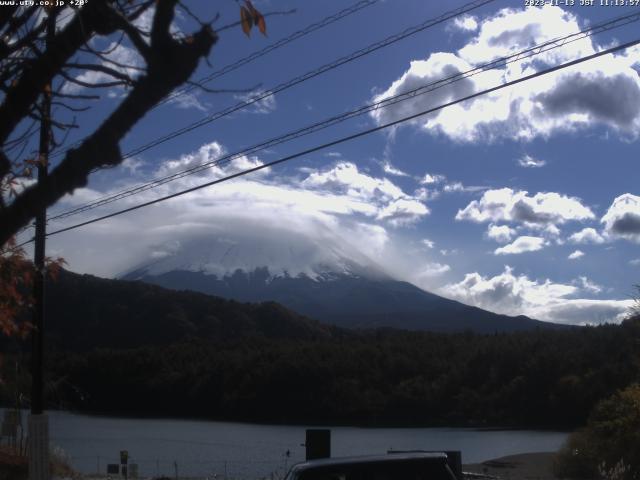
(347, 178)
(588, 285)
(386, 200)
(420, 73)
(521, 245)
(511, 30)
(403, 212)
(512, 294)
(339, 203)
(430, 179)
(527, 161)
(391, 170)
(587, 235)
(622, 220)
(17, 186)
(460, 187)
(517, 206)
(428, 243)
(603, 91)
(132, 165)
(119, 54)
(186, 101)
(433, 270)
(262, 106)
(575, 255)
(466, 23)
(585, 311)
(207, 153)
(553, 231)
(635, 262)
(426, 194)
(210, 154)
(454, 187)
(500, 233)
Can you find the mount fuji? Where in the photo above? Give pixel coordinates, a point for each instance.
(320, 277)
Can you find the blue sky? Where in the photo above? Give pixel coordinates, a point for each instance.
(525, 201)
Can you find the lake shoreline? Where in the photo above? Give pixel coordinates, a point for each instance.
(538, 465)
(248, 451)
(477, 426)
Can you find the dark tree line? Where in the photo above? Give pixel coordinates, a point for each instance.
(139, 349)
(533, 379)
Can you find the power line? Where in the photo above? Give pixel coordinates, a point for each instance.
(255, 55)
(311, 74)
(421, 90)
(350, 137)
(274, 46)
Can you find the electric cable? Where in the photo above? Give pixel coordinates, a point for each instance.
(384, 103)
(308, 76)
(349, 137)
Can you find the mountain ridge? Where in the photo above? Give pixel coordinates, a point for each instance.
(317, 275)
(348, 301)
(85, 312)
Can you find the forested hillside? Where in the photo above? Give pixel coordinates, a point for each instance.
(137, 349)
(536, 379)
(86, 312)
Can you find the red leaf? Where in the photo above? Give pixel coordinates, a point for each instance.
(245, 20)
(259, 21)
(257, 17)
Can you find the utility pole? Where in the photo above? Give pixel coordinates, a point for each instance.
(38, 420)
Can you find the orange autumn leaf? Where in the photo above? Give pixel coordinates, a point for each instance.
(245, 20)
(257, 17)
(262, 25)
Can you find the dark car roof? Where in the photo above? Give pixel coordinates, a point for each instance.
(392, 457)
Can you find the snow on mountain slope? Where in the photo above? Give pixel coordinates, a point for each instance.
(282, 253)
(323, 278)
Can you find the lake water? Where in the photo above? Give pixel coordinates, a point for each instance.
(249, 451)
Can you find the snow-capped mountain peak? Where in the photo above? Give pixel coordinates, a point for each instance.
(290, 255)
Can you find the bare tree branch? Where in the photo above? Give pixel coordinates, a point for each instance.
(102, 68)
(132, 17)
(84, 84)
(171, 63)
(75, 96)
(223, 90)
(6, 15)
(93, 17)
(5, 165)
(88, 48)
(25, 41)
(69, 107)
(14, 24)
(136, 37)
